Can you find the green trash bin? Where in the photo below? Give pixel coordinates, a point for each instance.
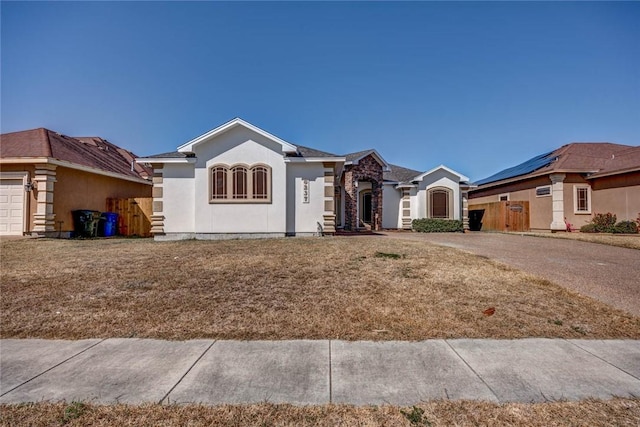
(85, 223)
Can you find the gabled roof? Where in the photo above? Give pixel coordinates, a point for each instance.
(189, 146)
(311, 152)
(92, 152)
(399, 174)
(578, 157)
(442, 167)
(354, 158)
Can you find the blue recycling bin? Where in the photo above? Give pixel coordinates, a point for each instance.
(108, 224)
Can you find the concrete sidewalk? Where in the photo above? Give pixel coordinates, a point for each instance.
(316, 372)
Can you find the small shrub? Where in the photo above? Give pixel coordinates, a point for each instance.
(588, 228)
(432, 225)
(626, 227)
(604, 223)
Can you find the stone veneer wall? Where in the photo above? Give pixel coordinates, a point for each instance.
(367, 169)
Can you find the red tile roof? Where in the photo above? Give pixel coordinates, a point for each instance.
(93, 152)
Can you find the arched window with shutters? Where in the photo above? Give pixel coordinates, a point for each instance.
(440, 203)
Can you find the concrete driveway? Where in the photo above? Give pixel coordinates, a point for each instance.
(608, 273)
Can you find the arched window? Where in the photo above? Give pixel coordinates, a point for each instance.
(219, 182)
(440, 203)
(260, 181)
(239, 176)
(240, 183)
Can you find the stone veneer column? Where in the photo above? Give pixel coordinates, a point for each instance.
(329, 216)
(406, 209)
(557, 197)
(465, 210)
(376, 205)
(44, 218)
(157, 218)
(350, 201)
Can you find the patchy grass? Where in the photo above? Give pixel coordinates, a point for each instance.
(631, 241)
(313, 288)
(615, 412)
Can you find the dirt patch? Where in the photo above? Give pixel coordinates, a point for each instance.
(315, 288)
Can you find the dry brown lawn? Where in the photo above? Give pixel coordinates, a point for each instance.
(615, 412)
(352, 288)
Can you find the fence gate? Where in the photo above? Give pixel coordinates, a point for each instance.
(134, 215)
(500, 216)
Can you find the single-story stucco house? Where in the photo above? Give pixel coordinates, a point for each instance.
(238, 180)
(44, 176)
(569, 184)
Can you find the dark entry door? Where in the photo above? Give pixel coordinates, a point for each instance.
(366, 208)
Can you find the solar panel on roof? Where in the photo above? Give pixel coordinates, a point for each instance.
(522, 169)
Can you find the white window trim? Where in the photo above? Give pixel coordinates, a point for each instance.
(575, 200)
(500, 196)
(544, 195)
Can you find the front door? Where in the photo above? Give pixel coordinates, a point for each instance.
(365, 207)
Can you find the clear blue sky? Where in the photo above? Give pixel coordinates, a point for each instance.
(477, 86)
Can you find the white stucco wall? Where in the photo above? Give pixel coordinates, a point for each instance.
(439, 178)
(178, 198)
(240, 146)
(391, 207)
(187, 208)
(304, 217)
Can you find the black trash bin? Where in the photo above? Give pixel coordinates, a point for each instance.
(475, 219)
(85, 223)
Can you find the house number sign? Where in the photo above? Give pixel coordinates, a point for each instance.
(305, 191)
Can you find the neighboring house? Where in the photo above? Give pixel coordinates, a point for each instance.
(239, 180)
(572, 183)
(44, 176)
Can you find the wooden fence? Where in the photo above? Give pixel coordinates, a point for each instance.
(502, 216)
(134, 215)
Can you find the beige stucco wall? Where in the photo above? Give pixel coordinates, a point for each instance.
(76, 189)
(540, 207)
(619, 194)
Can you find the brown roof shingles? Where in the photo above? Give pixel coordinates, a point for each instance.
(585, 156)
(93, 152)
(590, 158)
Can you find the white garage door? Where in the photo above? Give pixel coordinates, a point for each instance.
(11, 206)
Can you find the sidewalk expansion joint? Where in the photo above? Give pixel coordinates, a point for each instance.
(53, 367)
(187, 372)
(473, 370)
(598, 357)
(330, 377)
